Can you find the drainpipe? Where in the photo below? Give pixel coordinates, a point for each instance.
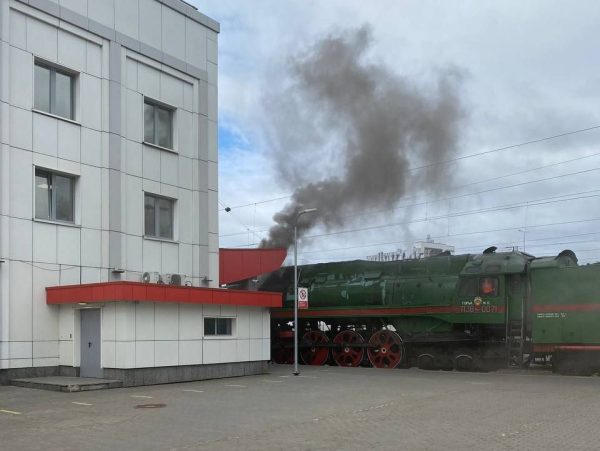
(4, 174)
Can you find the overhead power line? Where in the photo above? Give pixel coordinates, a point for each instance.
(541, 201)
(248, 230)
(452, 215)
(582, 260)
(476, 154)
(473, 246)
(477, 232)
(258, 202)
(500, 149)
(458, 196)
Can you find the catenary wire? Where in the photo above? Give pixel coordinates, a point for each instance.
(504, 229)
(463, 157)
(449, 198)
(447, 216)
(474, 246)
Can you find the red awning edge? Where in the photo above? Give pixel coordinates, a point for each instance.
(151, 292)
(241, 264)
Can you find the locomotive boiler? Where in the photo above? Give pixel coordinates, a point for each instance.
(464, 312)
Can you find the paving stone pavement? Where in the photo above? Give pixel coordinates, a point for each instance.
(323, 408)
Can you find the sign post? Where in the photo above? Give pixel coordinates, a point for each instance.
(303, 298)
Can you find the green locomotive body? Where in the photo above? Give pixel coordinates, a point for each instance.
(466, 311)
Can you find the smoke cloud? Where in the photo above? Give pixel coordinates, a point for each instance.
(346, 130)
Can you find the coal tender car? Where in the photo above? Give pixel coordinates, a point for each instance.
(464, 312)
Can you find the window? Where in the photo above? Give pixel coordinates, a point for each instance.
(516, 283)
(158, 124)
(488, 286)
(218, 326)
(54, 91)
(158, 216)
(54, 196)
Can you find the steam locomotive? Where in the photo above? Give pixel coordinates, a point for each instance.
(464, 312)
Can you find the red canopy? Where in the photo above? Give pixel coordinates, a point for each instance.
(153, 292)
(240, 264)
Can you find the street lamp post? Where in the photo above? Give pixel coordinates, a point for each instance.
(300, 213)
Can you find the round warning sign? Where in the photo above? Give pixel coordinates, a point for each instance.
(303, 298)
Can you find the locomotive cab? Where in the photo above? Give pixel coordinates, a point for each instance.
(495, 281)
(493, 293)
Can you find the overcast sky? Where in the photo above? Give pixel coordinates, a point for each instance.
(521, 72)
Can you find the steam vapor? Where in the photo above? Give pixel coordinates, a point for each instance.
(360, 126)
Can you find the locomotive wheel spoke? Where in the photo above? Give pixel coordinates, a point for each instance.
(385, 349)
(347, 354)
(312, 353)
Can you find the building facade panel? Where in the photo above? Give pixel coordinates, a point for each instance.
(108, 172)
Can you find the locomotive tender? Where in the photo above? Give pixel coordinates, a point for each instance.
(464, 312)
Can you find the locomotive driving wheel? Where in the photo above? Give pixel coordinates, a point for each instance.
(283, 350)
(385, 349)
(313, 352)
(348, 354)
(283, 355)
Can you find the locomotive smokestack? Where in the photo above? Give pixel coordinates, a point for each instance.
(345, 130)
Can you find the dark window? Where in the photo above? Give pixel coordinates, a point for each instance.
(488, 286)
(516, 284)
(218, 326)
(54, 91)
(158, 124)
(468, 287)
(158, 216)
(54, 196)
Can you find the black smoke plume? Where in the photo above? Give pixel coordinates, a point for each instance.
(345, 132)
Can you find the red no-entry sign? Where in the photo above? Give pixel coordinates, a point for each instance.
(302, 298)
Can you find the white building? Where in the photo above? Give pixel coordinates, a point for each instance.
(108, 170)
(427, 248)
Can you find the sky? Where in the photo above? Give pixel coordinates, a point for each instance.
(453, 110)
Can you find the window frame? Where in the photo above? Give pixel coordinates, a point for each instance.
(52, 195)
(53, 69)
(156, 235)
(216, 319)
(157, 107)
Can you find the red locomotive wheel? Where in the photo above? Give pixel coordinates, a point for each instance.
(347, 354)
(312, 352)
(283, 348)
(385, 349)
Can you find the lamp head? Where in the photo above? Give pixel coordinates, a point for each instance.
(308, 210)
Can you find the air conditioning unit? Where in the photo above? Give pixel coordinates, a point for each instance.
(152, 277)
(170, 279)
(175, 279)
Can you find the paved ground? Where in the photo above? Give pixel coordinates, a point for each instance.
(67, 384)
(324, 408)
